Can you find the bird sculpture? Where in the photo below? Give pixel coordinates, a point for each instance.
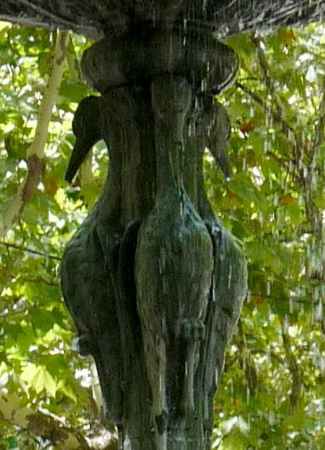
(169, 240)
(217, 134)
(87, 289)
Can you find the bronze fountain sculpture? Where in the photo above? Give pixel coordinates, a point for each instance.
(152, 279)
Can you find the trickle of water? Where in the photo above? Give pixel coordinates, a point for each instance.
(272, 419)
(291, 304)
(248, 395)
(291, 136)
(162, 259)
(123, 441)
(269, 118)
(241, 24)
(267, 146)
(286, 324)
(275, 200)
(229, 276)
(213, 297)
(204, 7)
(314, 180)
(203, 85)
(261, 218)
(160, 385)
(181, 209)
(322, 364)
(231, 388)
(319, 307)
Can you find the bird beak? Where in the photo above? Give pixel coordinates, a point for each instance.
(78, 155)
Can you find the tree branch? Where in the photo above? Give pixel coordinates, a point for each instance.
(29, 250)
(277, 117)
(293, 366)
(266, 75)
(36, 153)
(320, 128)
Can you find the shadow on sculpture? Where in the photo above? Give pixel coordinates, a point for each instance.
(153, 281)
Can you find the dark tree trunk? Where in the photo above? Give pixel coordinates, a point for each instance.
(152, 279)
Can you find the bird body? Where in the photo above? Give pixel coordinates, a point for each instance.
(173, 263)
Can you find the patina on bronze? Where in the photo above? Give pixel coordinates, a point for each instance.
(152, 279)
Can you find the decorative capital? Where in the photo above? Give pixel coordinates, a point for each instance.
(138, 58)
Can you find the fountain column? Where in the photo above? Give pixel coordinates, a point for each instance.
(164, 281)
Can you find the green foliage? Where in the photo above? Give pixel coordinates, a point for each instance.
(273, 387)
(39, 372)
(272, 394)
